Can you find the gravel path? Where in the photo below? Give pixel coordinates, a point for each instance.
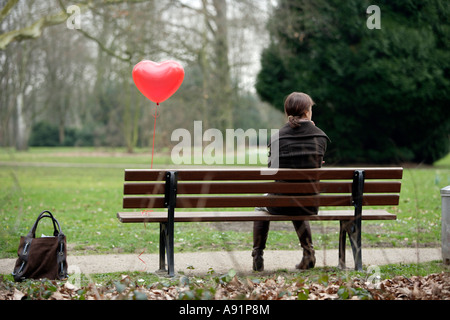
(241, 261)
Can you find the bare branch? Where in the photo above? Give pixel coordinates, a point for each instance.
(7, 8)
(104, 48)
(34, 30)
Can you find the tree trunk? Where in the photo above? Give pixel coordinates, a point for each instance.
(21, 134)
(222, 89)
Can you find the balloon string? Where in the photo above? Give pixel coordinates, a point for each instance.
(156, 115)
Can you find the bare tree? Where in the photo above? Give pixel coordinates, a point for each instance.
(212, 39)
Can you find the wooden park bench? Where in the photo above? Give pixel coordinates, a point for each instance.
(248, 188)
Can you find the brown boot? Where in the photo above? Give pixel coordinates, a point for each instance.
(260, 233)
(303, 231)
(258, 260)
(308, 260)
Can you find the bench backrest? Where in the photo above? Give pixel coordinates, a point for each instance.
(237, 188)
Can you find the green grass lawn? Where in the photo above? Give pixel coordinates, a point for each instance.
(83, 188)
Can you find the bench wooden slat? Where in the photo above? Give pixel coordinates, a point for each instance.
(256, 174)
(260, 187)
(258, 201)
(209, 216)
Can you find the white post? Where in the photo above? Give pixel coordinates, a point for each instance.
(445, 195)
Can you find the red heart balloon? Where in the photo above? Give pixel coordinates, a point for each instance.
(158, 81)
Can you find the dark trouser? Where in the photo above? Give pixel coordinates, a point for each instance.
(261, 232)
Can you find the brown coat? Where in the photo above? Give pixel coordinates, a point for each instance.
(301, 147)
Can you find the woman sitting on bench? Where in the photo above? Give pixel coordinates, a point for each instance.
(301, 145)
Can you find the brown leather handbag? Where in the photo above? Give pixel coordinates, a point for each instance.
(43, 257)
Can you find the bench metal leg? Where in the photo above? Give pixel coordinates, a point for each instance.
(166, 247)
(355, 241)
(353, 227)
(342, 239)
(354, 234)
(170, 249)
(170, 202)
(162, 247)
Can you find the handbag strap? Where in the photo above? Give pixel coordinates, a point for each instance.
(56, 227)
